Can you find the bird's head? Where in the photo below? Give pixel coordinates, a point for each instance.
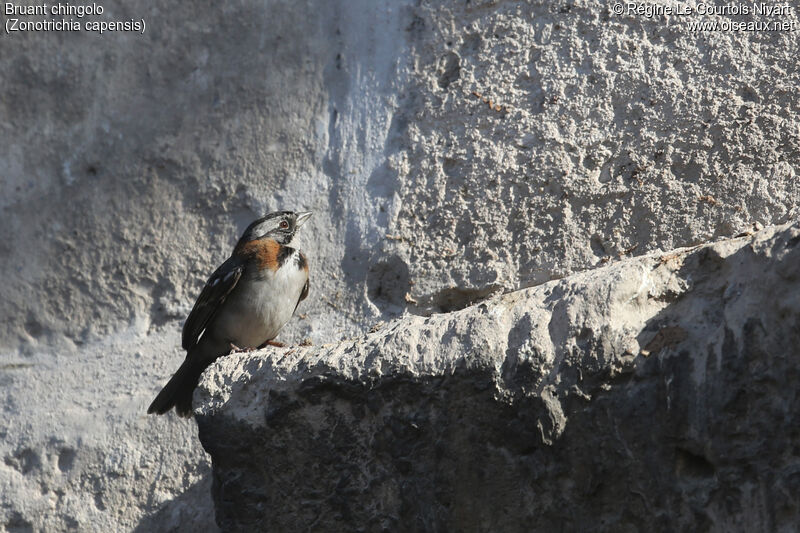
(279, 226)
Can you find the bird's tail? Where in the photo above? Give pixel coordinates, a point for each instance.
(179, 389)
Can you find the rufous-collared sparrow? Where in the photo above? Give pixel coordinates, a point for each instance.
(244, 304)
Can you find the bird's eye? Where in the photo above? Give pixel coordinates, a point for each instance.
(284, 224)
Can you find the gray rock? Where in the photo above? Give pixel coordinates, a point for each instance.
(657, 393)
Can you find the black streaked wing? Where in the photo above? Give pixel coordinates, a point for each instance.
(217, 288)
(303, 295)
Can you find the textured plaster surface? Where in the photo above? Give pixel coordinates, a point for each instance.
(130, 163)
(608, 135)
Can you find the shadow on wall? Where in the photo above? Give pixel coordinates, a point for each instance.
(706, 440)
(191, 511)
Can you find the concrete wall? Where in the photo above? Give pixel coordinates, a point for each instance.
(131, 162)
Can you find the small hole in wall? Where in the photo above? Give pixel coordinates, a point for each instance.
(455, 298)
(689, 464)
(388, 283)
(449, 69)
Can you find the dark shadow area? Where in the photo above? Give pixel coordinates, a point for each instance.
(191, 511)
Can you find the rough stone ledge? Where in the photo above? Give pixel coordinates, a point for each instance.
(657, 392)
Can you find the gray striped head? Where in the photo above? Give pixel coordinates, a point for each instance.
(280, 226)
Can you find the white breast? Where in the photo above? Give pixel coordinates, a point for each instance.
(260, 306)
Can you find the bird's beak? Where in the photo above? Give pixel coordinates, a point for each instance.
(302, 217)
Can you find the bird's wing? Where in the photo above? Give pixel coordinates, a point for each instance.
(304, 292)
(303, 295)
(302, 263)
(217, 288)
